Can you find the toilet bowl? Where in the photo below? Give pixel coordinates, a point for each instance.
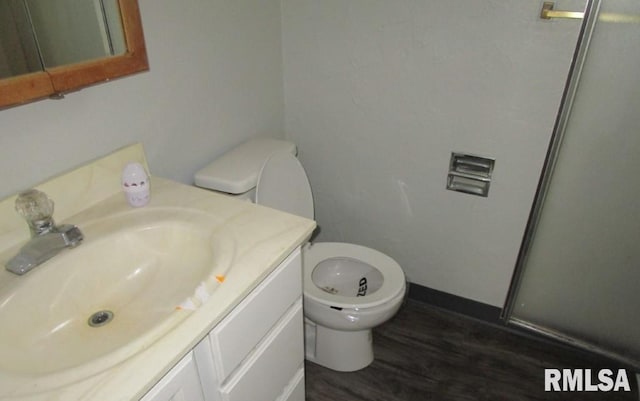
(348, 289)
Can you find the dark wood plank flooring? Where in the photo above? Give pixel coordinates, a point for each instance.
(426, 353)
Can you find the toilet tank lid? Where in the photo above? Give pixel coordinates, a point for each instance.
(237, 171)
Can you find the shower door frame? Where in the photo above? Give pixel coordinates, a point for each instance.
(592, 9)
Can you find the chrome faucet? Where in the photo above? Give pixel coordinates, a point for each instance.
(47, 239)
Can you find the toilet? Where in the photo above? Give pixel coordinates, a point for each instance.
(348, 289)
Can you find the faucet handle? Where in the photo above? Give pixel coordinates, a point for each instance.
(37, 209)
(34, 205)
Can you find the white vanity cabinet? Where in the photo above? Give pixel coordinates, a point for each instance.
(255, 353)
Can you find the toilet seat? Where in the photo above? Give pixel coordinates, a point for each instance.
(393, 276)
(283, 185)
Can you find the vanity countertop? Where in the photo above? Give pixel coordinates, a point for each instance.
(263, 238)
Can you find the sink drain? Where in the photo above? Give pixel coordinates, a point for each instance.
(100, 318)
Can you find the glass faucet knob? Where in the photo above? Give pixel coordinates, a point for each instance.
(34, 205)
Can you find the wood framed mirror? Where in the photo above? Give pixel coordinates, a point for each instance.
(55, 81)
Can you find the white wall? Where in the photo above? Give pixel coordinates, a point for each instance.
(215, 80)
(379, 93)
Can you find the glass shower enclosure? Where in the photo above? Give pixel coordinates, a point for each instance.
(578, 273)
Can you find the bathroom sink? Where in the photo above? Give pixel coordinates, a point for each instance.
(135, 277)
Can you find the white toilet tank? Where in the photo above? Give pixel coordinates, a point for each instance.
(236, 172)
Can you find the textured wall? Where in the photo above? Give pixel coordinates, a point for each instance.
(215, 80)
(377, 95)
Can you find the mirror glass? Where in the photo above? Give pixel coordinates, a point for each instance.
(40, 34)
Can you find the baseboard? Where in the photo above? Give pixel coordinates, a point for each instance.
(455, 303)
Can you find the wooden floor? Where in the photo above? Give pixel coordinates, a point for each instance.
(425, 353)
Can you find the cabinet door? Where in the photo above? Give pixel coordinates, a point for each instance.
(295, 390)
(182, 383)
(265, 374)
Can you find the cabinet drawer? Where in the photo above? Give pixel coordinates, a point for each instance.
(243, 328)
(267, 372)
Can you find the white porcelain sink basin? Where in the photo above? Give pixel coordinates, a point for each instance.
(138, 266)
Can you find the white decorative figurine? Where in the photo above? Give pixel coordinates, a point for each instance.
(135, 184)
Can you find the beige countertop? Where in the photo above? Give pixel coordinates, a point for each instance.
(260, 239)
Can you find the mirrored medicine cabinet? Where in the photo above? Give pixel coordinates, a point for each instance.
(50, 47)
